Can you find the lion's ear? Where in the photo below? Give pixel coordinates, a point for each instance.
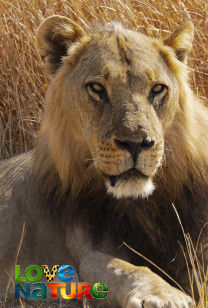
(53, 38)
(181, 40)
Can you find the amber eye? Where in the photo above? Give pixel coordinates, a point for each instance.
(158, 88)
(96, 87)
(97, 91)
(158, 94)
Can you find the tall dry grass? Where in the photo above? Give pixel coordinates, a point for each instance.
(23, 81)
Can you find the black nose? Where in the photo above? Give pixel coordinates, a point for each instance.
(135, 148)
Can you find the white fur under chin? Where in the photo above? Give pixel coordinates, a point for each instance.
(133, 188)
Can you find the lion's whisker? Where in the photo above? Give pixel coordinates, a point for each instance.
(97, 152)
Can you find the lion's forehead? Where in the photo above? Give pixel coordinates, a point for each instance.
(127, 55)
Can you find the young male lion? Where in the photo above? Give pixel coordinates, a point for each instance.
(123, 138)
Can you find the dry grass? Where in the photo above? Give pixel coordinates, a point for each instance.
(23, 81)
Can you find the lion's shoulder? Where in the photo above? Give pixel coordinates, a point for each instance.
(14, 173)
(13, 168)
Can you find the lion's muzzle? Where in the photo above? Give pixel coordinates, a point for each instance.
(128, 167)
(135, 148)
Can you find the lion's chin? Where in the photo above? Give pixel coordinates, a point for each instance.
(131, 188)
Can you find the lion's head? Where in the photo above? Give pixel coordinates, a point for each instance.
(114, 97)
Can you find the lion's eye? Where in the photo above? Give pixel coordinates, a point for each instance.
(158, 88)
(96, 87)
(97, 92)
(158, 93)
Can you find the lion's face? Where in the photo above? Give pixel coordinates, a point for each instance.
(126, 92)
(121, 96)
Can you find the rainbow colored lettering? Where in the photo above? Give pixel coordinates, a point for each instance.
(28, 287)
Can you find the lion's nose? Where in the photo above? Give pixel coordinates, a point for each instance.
(135, 148)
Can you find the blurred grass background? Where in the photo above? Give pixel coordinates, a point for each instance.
(23, 81)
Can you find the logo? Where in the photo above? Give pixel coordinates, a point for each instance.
(30, 287)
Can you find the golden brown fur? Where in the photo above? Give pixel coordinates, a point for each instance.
(186, 135)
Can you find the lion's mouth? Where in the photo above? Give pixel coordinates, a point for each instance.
(125, 176)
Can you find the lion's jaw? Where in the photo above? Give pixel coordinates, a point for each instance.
(125, 177)
(134, 187)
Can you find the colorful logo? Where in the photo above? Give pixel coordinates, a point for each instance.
(30, 287)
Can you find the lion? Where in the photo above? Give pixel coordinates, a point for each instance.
(122, 145)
